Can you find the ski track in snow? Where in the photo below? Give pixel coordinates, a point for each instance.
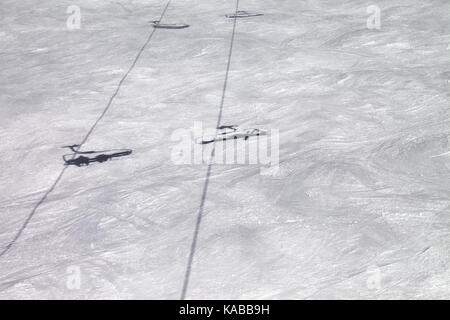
(364, 175)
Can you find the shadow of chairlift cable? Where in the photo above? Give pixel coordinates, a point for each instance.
(158, 25)
(84, 158)
(243, 14)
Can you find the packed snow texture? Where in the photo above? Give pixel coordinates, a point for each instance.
(358, 209)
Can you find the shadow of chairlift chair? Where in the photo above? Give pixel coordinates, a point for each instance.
(243, 14)
(84, 158)
(158, 25)
(231, 132)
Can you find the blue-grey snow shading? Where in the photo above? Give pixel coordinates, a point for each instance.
(363, 189)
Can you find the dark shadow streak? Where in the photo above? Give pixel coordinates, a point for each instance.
(19, 233)
(30, 216)
(208, 172)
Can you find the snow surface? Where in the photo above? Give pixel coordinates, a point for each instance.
(363, 188)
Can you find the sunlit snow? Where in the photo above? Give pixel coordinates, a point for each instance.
(359, 207)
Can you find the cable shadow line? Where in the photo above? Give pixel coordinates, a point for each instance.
(208, 172)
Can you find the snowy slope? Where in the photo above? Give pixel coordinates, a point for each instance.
(363, 190)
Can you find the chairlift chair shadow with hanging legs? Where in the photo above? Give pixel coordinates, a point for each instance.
(84, 158)
(229, 132)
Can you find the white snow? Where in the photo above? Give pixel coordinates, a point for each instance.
(358, 209)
